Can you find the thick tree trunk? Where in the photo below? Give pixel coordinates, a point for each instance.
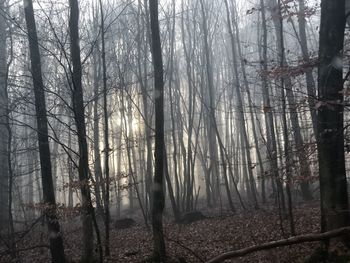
(78, 108)
(4, 151)
(330, 145)
(56, 242)
(158, 190)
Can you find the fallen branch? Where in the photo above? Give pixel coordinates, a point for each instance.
(281, 243)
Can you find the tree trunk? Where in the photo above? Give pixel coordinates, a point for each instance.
(159, 253)
(106, 132)
(78, 108)
(250, 102)
(310, 82)
(330, 144)
(56, 242)
(96, 132)
(4, 151)
(285, 130)
(268, 112)
(172, 114)
(298, 139)
(237, 86)
(210, 104)
(141, 74)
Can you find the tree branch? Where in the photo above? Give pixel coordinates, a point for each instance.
(281, 243)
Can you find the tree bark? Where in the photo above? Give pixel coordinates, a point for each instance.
(268, 110)
(330, 144)
(298, 139)
(210, 104)
(106, 132)
(96, 132)
(79, 117)
(4, 151)
(310, 82)
(237, 86)
(56, 242)
(159, 253)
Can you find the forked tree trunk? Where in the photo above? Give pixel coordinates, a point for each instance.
(210, 103)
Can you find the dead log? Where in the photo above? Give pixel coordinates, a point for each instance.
(281, 243)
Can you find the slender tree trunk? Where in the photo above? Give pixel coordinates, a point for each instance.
(299, 142)
(143, 37)
(56, 242)
(268, 112)
(285, 131)
(118, 176)
(106, 132)
(250, 102)
(210, 102)
(173, 131)
(70, 173)
(188, 51)
(96, 131)
(174, 206)
(310, 82)
(237, 87)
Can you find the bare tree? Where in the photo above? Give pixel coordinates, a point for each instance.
(79, 116)
(159, 253)
(106, 132)
(55, 235)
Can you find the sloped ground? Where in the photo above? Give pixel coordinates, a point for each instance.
(195, 242)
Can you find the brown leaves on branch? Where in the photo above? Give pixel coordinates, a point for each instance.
(61, 210)
(289, 10)
(291, 71)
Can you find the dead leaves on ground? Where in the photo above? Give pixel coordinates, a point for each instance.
(194, 242)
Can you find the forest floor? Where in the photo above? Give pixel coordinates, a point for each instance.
(195, 242)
